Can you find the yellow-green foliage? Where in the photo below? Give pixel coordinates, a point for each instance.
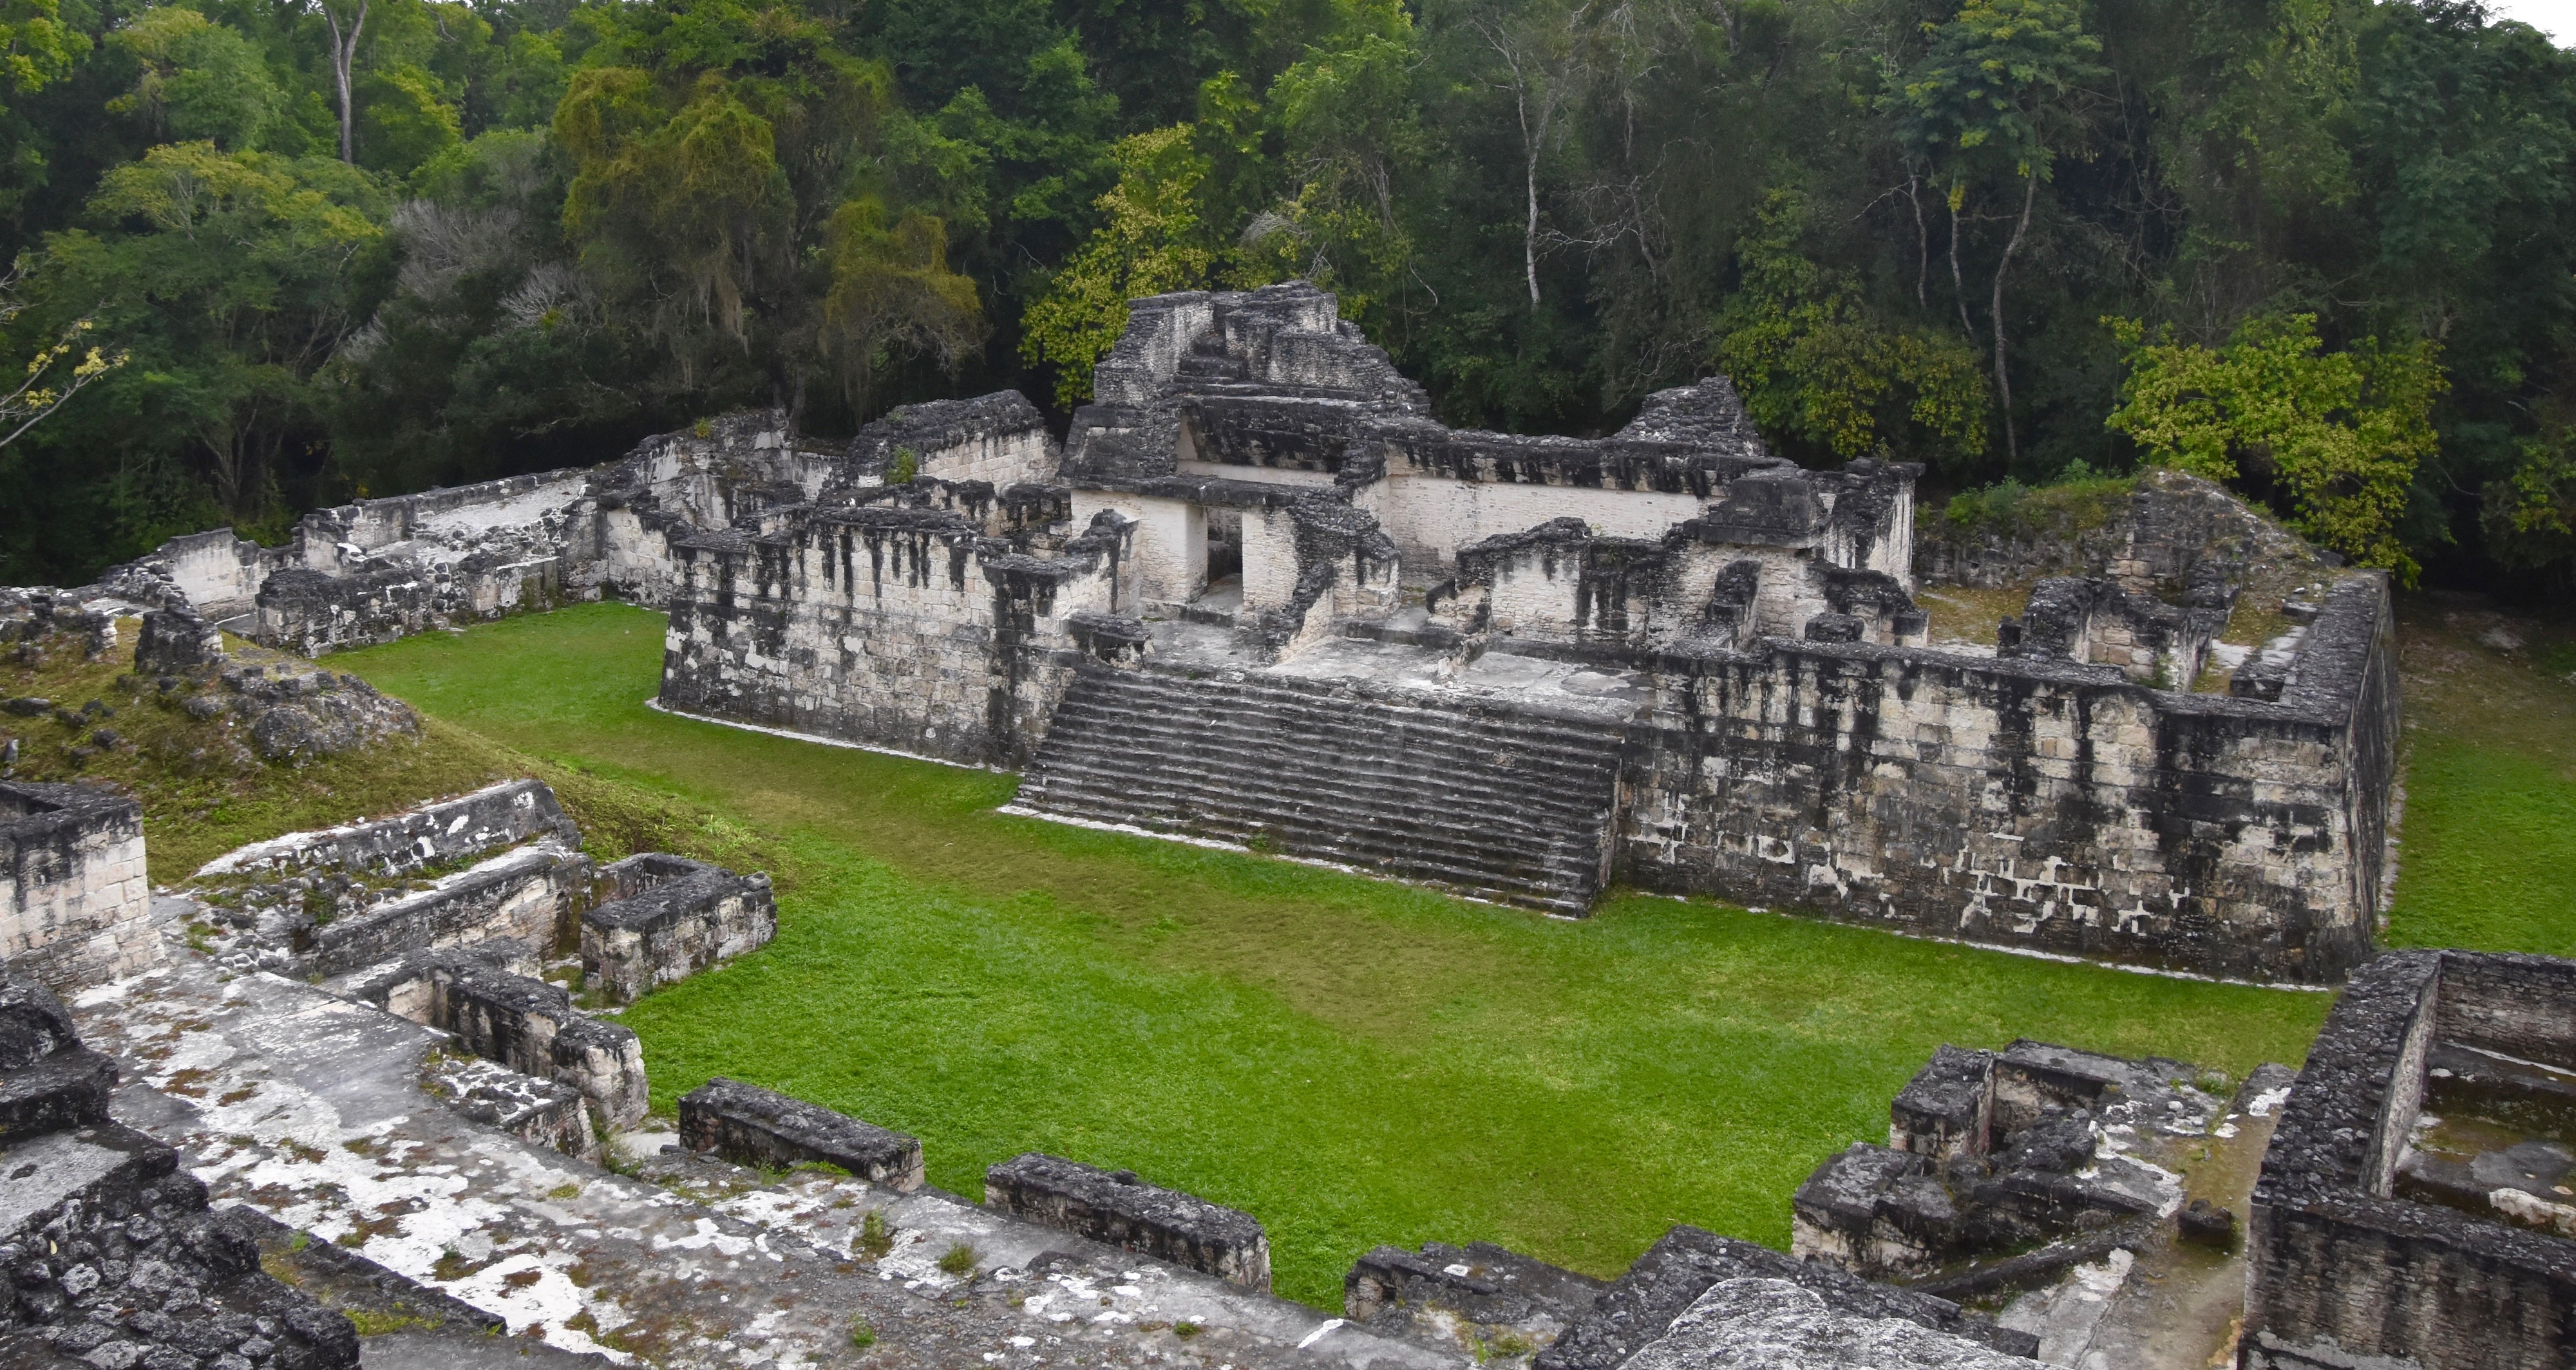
(2340, 431)
(2077, 500)
(1150, 245)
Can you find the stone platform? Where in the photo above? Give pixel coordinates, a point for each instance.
(309, 1109)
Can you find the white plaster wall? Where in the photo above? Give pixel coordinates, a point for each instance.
(1784, 599)
(1005, 460)
(216, 567)
(1431, 517)
(1170, 546)
(497, 505)
(1533, 593)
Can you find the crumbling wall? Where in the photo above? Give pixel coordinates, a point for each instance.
(905, 627)
(498, 815)
(2037, 803)
(79, 907)
(1116, 1208)
(1000, 439)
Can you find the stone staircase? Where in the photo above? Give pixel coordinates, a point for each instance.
(1207, 362)
(1511, 807)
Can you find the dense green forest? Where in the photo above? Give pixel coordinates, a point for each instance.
(271, 254)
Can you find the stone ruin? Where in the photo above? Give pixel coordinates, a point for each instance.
(80, 906)
(108, 1244)
(1259, 595)
(2418, 1204)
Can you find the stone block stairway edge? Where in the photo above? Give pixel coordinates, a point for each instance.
(1493, 804)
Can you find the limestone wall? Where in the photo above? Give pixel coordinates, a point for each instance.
(2036, 803)
(904, 627)
(79, 905)
(1170, 565)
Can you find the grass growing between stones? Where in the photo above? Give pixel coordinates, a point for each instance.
(1351, 1061)
(204, 791)
(2487, 853)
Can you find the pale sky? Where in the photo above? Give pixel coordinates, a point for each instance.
(2557, 18)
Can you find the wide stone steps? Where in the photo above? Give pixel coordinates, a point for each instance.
(1530, 814)
(1546, 790)
(1501, 806)
(1411, 758)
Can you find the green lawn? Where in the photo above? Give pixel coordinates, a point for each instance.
(2487, 852)
(1353, 1062)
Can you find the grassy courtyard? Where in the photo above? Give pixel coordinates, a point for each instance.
(2487, 853)
(1353, 1062)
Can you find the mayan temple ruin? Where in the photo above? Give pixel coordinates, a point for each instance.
(1258, 597)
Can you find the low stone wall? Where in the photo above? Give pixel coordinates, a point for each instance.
(1119, 1210)
(2344, 1274)
(532, 894)
(752, 1126)
(79, 906)
(499, 815)
(664, 918)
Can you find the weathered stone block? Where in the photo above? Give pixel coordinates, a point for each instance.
(1686, 1263)
(753, 1126)
(1426, 1294)
(1119, 1210)
(1947, 1108)
(664, 918)
(1757, 1324)
(78, 908)
(177, 641)
(523, 1023)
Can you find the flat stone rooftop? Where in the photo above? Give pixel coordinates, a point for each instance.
(1495, 679)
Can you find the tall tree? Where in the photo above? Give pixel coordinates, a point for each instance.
(344, 58)
(2001, 91)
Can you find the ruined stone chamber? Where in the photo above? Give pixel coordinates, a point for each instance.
(1259, 595)
(1993, 1153)
(454, 914)
(2417, 1206)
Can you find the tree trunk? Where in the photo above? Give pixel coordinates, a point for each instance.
(1529, 233)
(344, 56)
(1922, 238)
(2003, 373)
(1958, 283)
